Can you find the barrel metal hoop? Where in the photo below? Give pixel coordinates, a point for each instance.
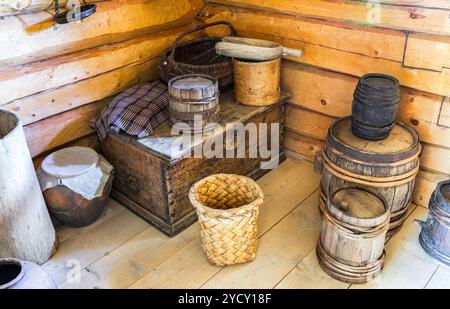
(384, 164)
(380, 182)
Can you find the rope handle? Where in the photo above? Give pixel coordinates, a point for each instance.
(181, 36)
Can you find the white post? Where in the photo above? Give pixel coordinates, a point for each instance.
(26, 231)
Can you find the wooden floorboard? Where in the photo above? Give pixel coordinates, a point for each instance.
(440, 279)
(283, 190)
(407, 265)
(120, 250)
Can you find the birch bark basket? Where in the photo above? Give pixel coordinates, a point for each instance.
(26, 231)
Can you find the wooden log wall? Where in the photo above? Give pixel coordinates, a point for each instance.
(342, 40)
(58, 77)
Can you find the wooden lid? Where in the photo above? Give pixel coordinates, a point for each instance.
(70, 162)
(359, 203)
(402, 143)
(379, 81)
(193, 87)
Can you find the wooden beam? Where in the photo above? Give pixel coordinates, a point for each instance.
(90, 141)
(37, 77)
(425, 185)
(303, 145)
(430, 52)
(57, 130)
(330, 57)
(42, 105)
(33, 37)
(331, 94)
(436, 4)
(410, 18)
(373, 42)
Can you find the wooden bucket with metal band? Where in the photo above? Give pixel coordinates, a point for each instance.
(387, 167)
(257, 83)
(192, 97)
(435, 234)
(354, 227)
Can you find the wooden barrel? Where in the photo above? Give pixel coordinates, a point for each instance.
(435, 234)
(257, 83)
(374, 108)
(354, 227)
(192, 97)
(386, 168)
(76, 183)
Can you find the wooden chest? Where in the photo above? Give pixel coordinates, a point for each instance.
(153, 180)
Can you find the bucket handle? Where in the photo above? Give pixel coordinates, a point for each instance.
(178, 39)
(423, 224)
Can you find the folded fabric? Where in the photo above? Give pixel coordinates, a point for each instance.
(137, 111)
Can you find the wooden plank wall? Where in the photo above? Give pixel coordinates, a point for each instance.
(342, 40)
(58, 77)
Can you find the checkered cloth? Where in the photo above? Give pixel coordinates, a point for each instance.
(136, 111)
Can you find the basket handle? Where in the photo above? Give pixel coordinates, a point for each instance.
(178, 39)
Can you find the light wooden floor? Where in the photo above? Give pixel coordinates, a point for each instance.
(122, 251)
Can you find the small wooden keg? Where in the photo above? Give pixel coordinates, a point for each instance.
(354, 227)
(386, 167)
(257, 83)
(76, 183)
(374, 108)
(191, 97)
(435, 234)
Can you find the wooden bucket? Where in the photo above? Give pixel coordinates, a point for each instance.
(386, 168)
(192, 97)
(354, 227)
(257, 83)
(435, 234)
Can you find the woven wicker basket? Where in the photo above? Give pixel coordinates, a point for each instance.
(227, 206)
(198, 56)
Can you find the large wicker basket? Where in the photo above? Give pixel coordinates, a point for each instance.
(198, 57)
(227, 206)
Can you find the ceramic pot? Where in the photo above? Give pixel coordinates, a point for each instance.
(17, 274)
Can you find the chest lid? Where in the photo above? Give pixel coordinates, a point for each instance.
(193, 88)
(402, 143)
(70, 162)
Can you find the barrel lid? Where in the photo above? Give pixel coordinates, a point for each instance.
(402, 143)
(193, 88)
(359, 203)
(70, 162)
(192, 82)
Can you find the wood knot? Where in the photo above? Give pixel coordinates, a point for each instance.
(414, 122)
(415, 15)
(411, 100)
(323, 102)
